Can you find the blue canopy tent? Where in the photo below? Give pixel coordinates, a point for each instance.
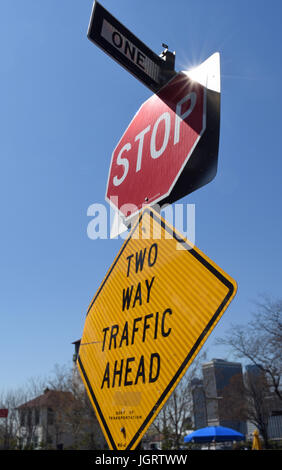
(214, 434)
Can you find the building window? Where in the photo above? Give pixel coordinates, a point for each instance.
(22, 418)
(29, 418)
(35, 441)
(36, 416)
(50, 416)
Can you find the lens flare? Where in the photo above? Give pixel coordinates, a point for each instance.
(207, 73)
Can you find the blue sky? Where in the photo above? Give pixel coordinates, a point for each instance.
(65, 105)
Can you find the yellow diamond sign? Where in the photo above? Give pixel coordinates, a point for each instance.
(155, 308)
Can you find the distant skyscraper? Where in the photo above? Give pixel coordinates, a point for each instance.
(217, 375)
(199, 404)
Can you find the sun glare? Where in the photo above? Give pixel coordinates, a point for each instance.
(207, 73)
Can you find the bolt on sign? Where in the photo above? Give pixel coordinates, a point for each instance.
(151, 315)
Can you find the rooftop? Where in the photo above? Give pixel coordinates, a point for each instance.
(49, 399)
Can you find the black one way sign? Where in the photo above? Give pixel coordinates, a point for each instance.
(123, 46)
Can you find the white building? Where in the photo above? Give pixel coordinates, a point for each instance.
(44, 420)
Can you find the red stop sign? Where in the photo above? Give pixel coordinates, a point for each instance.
(157, 147)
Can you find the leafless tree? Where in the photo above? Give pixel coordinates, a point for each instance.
(260, 341)
(9, 426)
(233, 402)
(257, 395)
(77, 415)
(175, 416)
(71, 411)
